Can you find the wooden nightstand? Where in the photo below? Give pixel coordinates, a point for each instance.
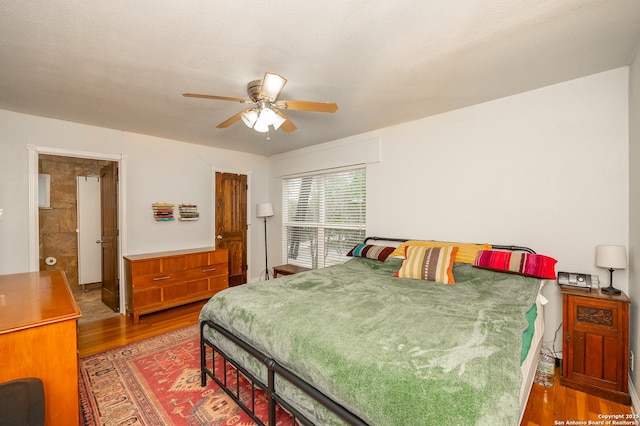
(596, 343)
(288, 270)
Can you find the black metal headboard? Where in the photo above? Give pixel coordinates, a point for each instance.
(495, 246)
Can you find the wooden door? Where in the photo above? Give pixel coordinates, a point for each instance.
(231, 223)
(109, 231)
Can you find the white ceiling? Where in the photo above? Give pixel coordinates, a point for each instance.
(125, 64)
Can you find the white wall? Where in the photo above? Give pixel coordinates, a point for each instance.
(157, 170)
(546, 169)
(634, 214)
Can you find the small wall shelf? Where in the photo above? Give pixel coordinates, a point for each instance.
(188, 212)
(163, 212)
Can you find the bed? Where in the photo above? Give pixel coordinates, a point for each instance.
(355, 344)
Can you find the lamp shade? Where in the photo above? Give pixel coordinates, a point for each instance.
(264, 120)
(250, 117)
(278, 121)
(261, 126)
(264, 210)
(268, 115)
(611, 256)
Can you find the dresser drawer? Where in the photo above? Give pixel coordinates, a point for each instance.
(157, 280)
(185, 290)
(158, 265)
(174, 292)
(197, 260)
(149, 297)
(207, 271)
(197, 287)
(146, 267)
(219, 256)
(219, 283)
(173, 263)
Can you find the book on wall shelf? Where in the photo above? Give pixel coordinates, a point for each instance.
(163, 212)
(188, 212)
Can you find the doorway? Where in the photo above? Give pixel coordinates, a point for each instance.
(88, 207)
(66, 227)
(231, 191)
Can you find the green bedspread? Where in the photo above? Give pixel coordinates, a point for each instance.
(393, 351)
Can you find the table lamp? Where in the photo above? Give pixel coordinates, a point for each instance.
(611, 257)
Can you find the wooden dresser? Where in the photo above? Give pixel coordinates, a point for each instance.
(596, 343)
(39, 338)
(157, 281)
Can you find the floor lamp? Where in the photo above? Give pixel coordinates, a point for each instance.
(264, 211)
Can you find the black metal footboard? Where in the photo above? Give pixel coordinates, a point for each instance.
(274, 370)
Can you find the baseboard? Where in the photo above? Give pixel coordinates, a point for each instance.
(635, 401)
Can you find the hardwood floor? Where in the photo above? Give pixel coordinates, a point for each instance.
(557, 404)
(99, 336)
(546, 406)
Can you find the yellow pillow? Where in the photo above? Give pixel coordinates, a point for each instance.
(467, 252)
(429, 263)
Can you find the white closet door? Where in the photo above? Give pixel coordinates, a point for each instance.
(89, 252)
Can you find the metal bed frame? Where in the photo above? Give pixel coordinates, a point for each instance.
(493, 246)
(274, 370)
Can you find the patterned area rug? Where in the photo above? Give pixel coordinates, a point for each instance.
(157, 382)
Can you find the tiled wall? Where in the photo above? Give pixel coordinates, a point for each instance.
(58, 224)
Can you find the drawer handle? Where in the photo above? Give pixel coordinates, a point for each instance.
(162, 278)
(208, 270)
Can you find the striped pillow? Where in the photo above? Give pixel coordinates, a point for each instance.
(467, 252)
(429, 263)
(530, 265)
(371, 251)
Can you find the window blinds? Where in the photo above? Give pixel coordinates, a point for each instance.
(324, 216)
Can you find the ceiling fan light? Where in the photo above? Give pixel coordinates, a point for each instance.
(268, 116)
(250, 117)
(262, 125)
(278, 121)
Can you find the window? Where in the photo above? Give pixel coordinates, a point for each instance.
(324, 216)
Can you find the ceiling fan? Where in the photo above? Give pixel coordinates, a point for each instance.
(266, 109)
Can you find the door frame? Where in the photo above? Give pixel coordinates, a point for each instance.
(34, 236)
(215, 170)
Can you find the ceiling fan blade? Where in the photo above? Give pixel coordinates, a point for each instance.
(232, 120)
(272, 84)
(288, 125)
(221, 98)
(308, 106)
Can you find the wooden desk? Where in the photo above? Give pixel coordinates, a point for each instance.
(39, 338)
(288, 270)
